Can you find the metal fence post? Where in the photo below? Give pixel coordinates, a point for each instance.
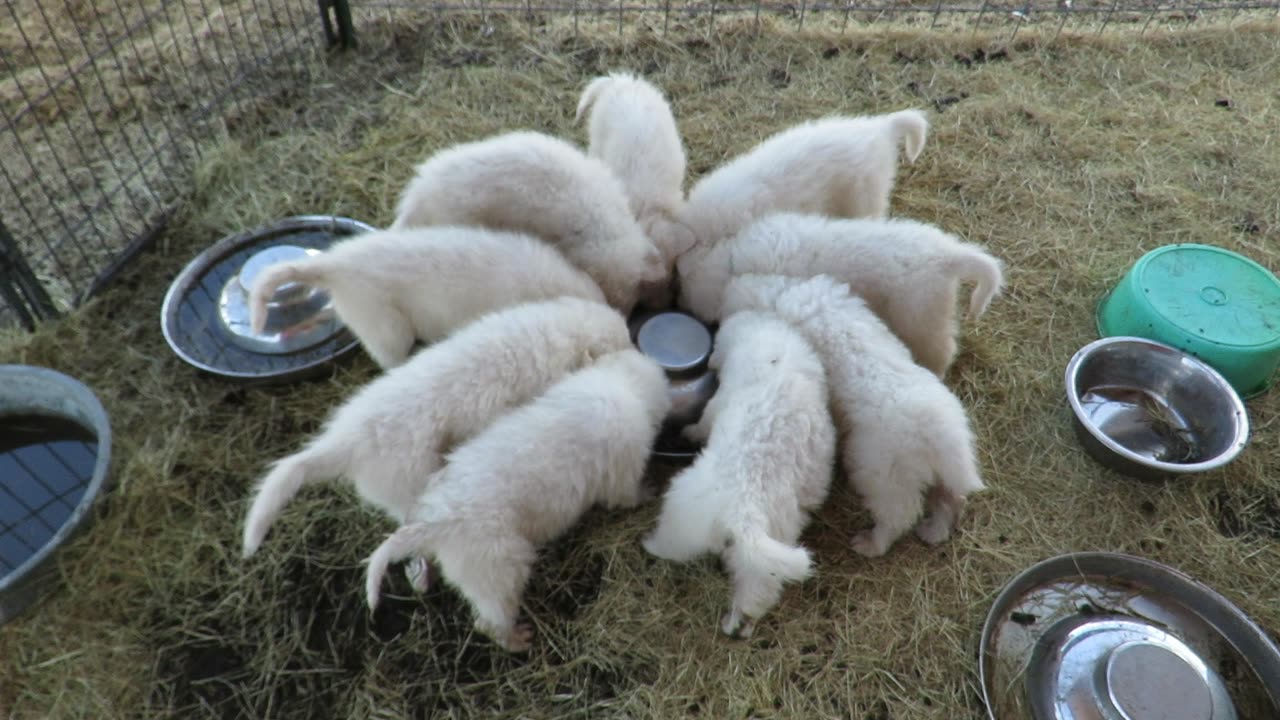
(18, 285)
(337, 12)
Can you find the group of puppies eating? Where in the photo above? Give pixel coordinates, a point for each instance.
(516, 260)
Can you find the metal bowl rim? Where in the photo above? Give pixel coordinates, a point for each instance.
(98, 482)
(214, 252)
(1123, 566)
(1241, 434)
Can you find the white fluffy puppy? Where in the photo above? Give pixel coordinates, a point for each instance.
(837, 166)
(391, 287)
(633, 131)
(908, 273)
(390, 436)
(766, 466)
(527, 479)
(535, 183)
(904, 434)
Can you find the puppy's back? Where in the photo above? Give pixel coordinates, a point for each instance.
(537, 467)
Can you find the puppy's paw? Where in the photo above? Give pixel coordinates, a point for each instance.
(933, 532)
(519, 639)
(735, 624)
(864, 543)
(650, 546)
(418, 571)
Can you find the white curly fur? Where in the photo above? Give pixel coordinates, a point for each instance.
(390, 436)
(837, 166)
(904, 435)
(633, 131)
(393, 287)
(767, 465)
(528, 478)
(908, 273)
(535, 183)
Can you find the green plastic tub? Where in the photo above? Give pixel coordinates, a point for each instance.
(1215, 304)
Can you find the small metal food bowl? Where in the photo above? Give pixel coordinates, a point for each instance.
(298, 316)
(1106, 636)
(1149, 410)
(55, 451)
(681, 344)
(205, 316)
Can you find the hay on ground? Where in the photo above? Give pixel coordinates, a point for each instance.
(1069, 160)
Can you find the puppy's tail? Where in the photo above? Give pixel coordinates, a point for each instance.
(910, 127)
(311, 272)
(974, 265)
(591, 94)
(287, 477)
(753, 552)
(408, 541)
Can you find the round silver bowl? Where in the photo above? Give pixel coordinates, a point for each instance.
(49, 481)
(1106, 636)
(1149, 410)
(681, 344)
(298, 316)
(205, 316)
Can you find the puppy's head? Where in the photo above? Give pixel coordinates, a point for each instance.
(671, 236)
(750, 346)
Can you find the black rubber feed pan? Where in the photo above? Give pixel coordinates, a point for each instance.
(55, 449)
(204, 316)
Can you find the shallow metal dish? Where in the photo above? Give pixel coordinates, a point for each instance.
(204, 316)
(1063, 622)
(1148, 410)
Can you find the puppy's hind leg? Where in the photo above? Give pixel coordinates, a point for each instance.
(957, 477)
(687, 523)
(491, 574)
(893, 495)
(944, 508)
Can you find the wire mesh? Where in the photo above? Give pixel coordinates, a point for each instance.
(105, 107)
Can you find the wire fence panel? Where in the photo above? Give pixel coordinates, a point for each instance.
(105, 104)
(1010, 15)
(104, 107)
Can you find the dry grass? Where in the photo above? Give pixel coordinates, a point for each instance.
(1069, 161)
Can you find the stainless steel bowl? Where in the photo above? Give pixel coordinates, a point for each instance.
(1106, 636)
(298, 316)
(681, 344)
(1149, 410)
